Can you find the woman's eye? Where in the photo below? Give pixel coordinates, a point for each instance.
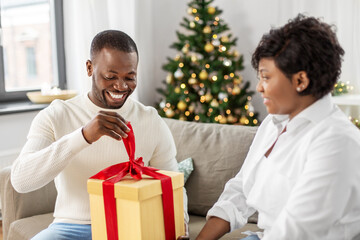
(109, 78)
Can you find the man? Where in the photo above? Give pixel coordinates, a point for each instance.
(72, 140)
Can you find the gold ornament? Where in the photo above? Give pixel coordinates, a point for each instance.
(177, 90)
(231, 119)
(191, 108)
(211, 10)
(177, 57)
(192, 81)
(208, 97)
(192, 24)
(222, 119)
(237, 81)
(203, 75)
(236, 53)
(207, 29)
(225, 39)
(194, 58)
(169, 78)
(182, 106)
(244, 120)
(182, 118)
(169, 113)
(185, 49)
(214, 103)
(236, 90)
(190, 10)
(209, 47)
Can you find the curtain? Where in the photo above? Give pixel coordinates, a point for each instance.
(83, 19)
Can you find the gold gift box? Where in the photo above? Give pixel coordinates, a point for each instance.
(139, 207)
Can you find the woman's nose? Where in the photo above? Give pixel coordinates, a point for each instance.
(259, 86)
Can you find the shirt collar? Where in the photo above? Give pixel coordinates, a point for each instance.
(312, 114)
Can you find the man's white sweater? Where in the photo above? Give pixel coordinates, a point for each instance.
(56, 149)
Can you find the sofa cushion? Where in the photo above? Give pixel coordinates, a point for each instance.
(186, 166)
(26, 228)
(218, 152)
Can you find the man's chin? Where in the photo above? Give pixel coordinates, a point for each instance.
(116, 105)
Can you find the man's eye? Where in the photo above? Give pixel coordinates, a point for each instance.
(109, 78)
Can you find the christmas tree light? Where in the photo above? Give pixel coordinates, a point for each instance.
(204, 82)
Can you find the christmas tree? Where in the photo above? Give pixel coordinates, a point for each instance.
(204, 82)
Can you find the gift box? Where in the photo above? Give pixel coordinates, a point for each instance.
(139, 207)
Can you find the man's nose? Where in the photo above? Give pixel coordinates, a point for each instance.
(120, 85)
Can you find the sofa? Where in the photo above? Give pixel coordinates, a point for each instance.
(217, 152)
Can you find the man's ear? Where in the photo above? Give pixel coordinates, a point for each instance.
(89, 68)
(300, 81)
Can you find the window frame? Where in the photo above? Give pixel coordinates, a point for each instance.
(57, 23)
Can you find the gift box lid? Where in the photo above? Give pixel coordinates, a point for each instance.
(137, 190)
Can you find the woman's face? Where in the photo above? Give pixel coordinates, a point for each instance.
(279, 92)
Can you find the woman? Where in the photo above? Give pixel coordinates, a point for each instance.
(302, 172)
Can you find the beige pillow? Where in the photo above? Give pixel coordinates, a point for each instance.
(218, 152)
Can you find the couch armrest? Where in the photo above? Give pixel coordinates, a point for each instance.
(16, 205)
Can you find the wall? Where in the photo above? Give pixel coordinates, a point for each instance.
(248, 21)
(13, 129)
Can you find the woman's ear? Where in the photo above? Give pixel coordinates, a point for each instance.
(89, 68)
(300, 81)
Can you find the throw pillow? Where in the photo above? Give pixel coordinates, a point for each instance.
(186, 167)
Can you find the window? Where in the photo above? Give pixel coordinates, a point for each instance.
(32, 47)
(31, 62)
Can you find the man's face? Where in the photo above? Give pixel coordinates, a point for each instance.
(113, 77)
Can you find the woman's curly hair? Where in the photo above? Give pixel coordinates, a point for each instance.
(304, 44)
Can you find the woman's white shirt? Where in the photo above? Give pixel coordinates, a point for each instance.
(308, 187)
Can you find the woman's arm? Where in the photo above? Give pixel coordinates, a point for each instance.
(214, 229)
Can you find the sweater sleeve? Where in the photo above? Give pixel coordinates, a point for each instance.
(43, 157)
(165, 150)
(231, 205)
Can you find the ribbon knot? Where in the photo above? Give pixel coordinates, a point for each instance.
(135, 167)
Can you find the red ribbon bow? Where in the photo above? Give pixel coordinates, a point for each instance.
(136, 168)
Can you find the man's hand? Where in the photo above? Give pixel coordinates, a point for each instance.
(105, 123)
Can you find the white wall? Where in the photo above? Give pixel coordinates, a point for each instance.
(248, 21)
(13, 129)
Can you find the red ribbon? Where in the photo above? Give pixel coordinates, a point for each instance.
(136, 168)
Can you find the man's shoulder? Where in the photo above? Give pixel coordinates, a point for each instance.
(143, 109)
(59, 107)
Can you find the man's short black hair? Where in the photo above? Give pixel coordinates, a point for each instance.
(112, 39)
(304, 44)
